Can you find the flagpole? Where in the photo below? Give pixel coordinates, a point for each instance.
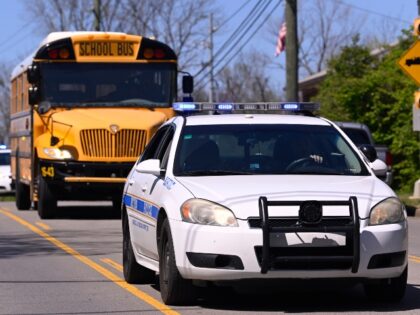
(291, 51)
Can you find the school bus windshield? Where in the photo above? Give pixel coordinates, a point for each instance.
(105, 84)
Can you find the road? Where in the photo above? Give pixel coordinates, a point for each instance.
(72, 265)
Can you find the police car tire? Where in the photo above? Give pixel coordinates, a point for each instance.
(23, 199)
(174, 289)
(388, 290)
(133, 272)
(47, 202)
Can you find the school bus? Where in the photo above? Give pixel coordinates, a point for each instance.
(83, 106)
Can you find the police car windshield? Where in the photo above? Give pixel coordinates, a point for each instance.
(102, 84)
(217, 150)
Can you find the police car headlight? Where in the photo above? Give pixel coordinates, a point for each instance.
(390, 210)
(205, 212)
(56, 153)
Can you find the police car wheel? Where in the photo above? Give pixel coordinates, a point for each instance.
(387, 290)
(133, 272)
(174, 289)
(47, 202)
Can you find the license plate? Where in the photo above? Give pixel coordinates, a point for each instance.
(307, 239)
(106, 49)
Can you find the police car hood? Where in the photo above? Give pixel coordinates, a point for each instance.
(241, 193)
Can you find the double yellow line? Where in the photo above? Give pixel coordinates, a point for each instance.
(87, 261)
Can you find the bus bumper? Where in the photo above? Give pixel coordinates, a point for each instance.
(71, 180)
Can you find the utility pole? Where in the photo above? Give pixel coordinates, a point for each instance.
(211, 95)
(292, 51)
(97, 13)
(418, 7)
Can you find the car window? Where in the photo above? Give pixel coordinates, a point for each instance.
(5, 158)
(151, 150)
(358, 136)
(265, 149)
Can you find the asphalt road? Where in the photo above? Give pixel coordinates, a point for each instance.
(72, 265)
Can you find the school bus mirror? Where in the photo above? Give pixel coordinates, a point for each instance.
(33, 95)
(416, 27)
(33, 74)
(187, 84)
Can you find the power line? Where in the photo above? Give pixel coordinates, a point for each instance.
(245, 32)
(15, 33)
(371, 11)
(233, 35)
(243, 45)
(233, 15)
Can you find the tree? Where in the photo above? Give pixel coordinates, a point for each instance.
(324, 27)
(182, 24)
(4, 103)
(374, 91)
(247, 81)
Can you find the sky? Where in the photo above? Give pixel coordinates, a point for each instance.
(18, 37)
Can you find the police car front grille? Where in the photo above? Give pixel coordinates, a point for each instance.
(103, 143)
(294, 221)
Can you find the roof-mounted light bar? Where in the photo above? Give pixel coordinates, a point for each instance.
(237, 107)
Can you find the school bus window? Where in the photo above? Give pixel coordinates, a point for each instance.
(105, 89)
(140, 84)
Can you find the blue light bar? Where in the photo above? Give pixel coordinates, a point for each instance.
(290, 106)
(238, 107)
(227, 107)
(185, 107)
(3, 147)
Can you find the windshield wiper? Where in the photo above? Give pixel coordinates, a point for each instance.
(214, 172)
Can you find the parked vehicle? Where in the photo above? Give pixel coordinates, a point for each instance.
(360, 135)
(5, 172)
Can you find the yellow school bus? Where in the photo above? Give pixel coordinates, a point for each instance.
(83, 106)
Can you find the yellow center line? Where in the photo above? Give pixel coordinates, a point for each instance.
(113, 264)
(87, 261)
(414, 258)
(43, 225)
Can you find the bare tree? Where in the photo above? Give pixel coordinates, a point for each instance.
(324, 27)
(182, 24)
(247, 81)
(4, 103)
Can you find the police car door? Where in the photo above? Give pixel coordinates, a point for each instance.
(144, 204)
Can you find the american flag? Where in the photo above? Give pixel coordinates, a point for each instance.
(281, 40)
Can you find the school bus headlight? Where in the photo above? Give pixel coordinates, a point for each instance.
(58, 154)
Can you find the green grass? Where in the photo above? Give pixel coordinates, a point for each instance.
(7, 197)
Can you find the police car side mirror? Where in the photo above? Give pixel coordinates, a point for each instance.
(151, 166)
(379, 167)
(369, 151)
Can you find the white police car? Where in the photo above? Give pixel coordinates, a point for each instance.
(245, 196)
(5, 171)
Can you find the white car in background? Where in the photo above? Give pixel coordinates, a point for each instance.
(260, 196)
(5, 171)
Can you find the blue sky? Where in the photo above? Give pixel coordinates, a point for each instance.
(18, 37)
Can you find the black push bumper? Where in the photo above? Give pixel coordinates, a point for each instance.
(309, 220)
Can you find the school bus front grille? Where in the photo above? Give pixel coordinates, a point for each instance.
(103, 143)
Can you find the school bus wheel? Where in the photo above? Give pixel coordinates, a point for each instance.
(47, 202)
